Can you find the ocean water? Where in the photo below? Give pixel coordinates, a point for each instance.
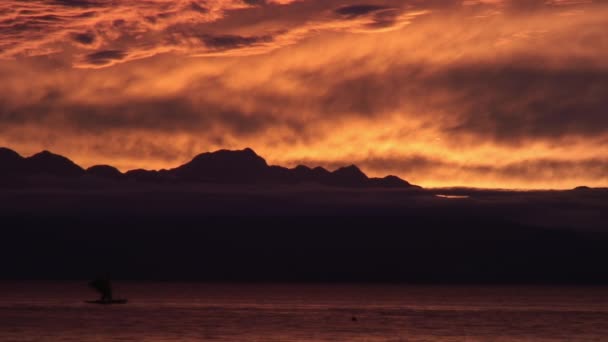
(44, 311)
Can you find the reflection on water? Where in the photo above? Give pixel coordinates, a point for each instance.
(453, 196)
(203, 312)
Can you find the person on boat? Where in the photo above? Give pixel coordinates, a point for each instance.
(104, 287)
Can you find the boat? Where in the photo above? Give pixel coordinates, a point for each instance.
(104, 287)
(107, 302)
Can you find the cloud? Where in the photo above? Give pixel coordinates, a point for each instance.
(86, 38)
(78, 3)
(491, 93)
(545, 173)
(353, 11)
(105, 56)
(504, 102)
(148, 28)
(195, 6)
(137, 26)
(233, 41)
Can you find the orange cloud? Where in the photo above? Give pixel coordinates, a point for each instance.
(100, 33)
(440, 93)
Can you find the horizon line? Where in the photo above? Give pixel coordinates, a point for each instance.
(456, 187)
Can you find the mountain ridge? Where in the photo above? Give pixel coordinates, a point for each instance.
(220, 167)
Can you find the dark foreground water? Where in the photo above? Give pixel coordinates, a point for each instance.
(38, 311)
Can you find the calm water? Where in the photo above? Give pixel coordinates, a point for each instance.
(36, 311)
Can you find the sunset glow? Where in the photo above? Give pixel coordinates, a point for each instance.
(479, 93)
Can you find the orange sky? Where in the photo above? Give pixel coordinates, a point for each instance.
(486, 93)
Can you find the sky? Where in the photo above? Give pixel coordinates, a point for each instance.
(480, 93)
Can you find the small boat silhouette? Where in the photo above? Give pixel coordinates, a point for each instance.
(104, 287)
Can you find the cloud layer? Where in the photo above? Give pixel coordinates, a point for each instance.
(444, 92)
(104, 32)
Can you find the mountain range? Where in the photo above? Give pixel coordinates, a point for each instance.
(219, 167)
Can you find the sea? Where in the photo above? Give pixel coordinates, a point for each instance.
(166, 311)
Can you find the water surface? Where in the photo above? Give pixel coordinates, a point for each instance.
(43, 311)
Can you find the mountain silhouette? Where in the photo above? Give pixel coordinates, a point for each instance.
(9, 156)
(11, 162)
(304, 174)
(349, 176)
(243, 166)
(390, 182)
(145, 175)
(220, 167)
(43, 163)
(104, 171)
(48, 163)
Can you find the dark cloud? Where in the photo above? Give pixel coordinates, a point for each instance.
(255, 2)
(385, 18)
(508, 104)
(233, 41)
(166, 15)
(514, 102)
(105, 56)
(353, 11)
(381, 16)
(87, 14)
(119, 22)
(46, 17)
(198, 7)
(505, 102)
(86, 38)
(79, 3)
(169, 115)
(18, 27)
